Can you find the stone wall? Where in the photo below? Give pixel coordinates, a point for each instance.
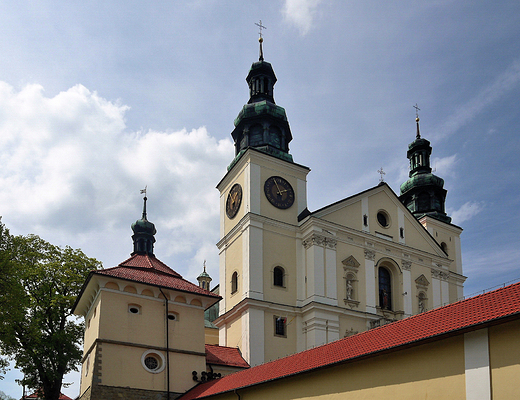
(102, 392)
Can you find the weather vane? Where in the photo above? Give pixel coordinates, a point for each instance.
(381, 172)
(143, 191)
(260, 39)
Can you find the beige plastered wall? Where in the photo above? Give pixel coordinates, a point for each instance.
(149, 327)
(279, 250)
(504, 354)
(122, 366)
(278, 346)
(432, 371)
(211, 335)
(234, 263)
(350, 216)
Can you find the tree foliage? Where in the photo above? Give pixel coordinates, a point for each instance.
(39, 283)
(4, 396)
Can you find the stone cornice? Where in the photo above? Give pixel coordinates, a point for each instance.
(320, 240)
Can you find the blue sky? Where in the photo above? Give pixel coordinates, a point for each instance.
(99, 99)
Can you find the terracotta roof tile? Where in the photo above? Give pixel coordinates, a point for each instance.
(150, 270)
(35, 396)
(488, 307)
(222, 355)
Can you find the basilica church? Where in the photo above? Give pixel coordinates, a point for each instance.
(293, 281)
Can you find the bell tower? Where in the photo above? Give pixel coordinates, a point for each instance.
(261, 197)
(424, 196)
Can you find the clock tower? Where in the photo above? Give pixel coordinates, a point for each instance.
(261, 197)
(292, 279)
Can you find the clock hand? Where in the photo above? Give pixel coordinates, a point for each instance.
(278, 187)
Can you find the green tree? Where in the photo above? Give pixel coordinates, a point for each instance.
(39, 283)
(4, 396)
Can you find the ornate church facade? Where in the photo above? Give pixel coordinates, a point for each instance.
(292, 279)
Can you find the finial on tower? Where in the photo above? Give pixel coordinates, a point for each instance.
(417, 109)
(381, 172)
(260, 39)
(143, 191)
(144, 232)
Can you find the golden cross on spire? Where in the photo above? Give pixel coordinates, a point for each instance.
(260, 39)
(260, 27)
(417, 109)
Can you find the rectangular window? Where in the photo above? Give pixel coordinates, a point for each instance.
(280, 326)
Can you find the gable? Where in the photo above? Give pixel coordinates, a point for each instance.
(378, 212)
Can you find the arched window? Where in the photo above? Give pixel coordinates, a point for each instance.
(275, 136)
(385, 289)
(256, 135)
(234, 282)
(278, 275)
(444, 247)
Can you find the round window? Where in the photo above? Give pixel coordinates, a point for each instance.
(153, 361)
(383, 219)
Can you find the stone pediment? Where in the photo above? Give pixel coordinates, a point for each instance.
(350, 263)
(422, 281)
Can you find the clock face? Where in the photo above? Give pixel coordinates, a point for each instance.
(279, 192)
(234, 200)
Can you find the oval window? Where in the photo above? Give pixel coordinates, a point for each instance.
(383, 219)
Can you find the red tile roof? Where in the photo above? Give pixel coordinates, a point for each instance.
(452, 319)
(35, 396)
(222, 355)
(148, 269)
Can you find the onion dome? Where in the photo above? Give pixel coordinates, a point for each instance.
(143, 236)
(204, 278)
(261, 124)
(423, 194)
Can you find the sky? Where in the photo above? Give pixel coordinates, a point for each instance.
(99, 100)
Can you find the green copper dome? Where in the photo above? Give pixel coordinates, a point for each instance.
(143, 236)
(261, 124)
(421, 180)
(424, 193)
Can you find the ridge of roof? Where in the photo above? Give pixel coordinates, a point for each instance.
(147, 269)
(147, 261)
(450, 319)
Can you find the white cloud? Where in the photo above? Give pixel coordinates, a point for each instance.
(71, 173)
(503, 83)
(466, 212)
(444, 166)
(300, 13)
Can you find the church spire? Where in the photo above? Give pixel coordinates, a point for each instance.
(423, 194)
(144, 232)
(261, 124)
